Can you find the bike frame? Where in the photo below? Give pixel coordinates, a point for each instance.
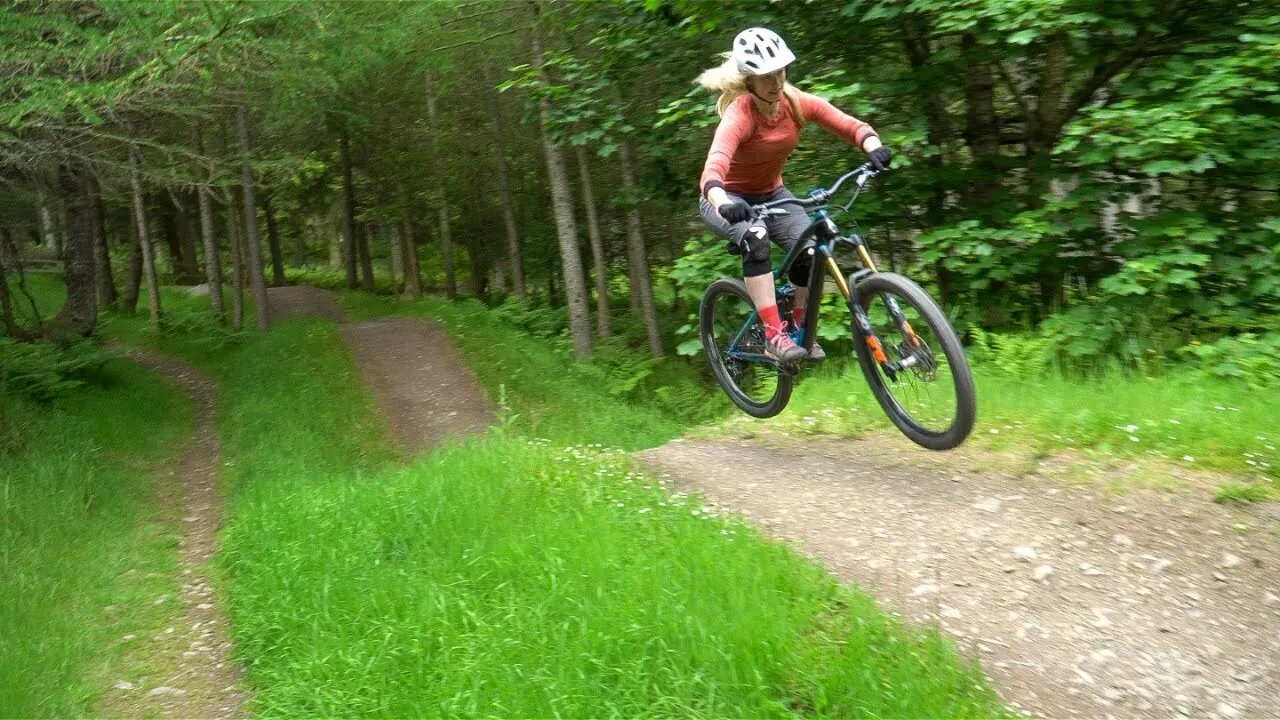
(819, 240)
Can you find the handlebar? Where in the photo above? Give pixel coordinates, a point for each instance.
(821, 196)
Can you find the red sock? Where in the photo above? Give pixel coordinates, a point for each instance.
(797, 316)
(772, 321)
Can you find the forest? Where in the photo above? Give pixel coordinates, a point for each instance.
(234, 234)
(1095, 181)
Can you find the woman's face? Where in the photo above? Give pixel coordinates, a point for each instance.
(768, 87)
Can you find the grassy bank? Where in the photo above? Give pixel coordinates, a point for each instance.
(1181, 419)
(84, 553)
(356, 587)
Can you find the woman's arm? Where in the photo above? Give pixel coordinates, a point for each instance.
(733, 127)
(849, 128)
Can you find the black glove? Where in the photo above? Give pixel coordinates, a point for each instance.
(735, 211)
(881, 158)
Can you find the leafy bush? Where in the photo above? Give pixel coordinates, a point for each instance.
(537, 320)
(1026, 357)
(1249, 357)
(42, 371)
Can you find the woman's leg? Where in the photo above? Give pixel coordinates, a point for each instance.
(786, 230)
(752, 242)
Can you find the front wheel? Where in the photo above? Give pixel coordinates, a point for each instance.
(733, 338)
(927, 389)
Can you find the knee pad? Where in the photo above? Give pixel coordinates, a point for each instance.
(799, 274)
(755, 251)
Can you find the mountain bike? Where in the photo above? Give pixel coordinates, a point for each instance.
(908, 351)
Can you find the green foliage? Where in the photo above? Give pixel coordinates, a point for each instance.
(200, 330)
(1251, 358)
(43, 371)
(1019, 356)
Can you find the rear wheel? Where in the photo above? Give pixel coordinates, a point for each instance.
(757, 386)
(931, 398)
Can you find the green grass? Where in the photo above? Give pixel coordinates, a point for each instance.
(83, 551)
(1181, 418)
(358, 588)
(419, 592)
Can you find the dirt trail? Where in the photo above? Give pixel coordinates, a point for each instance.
(199, 678)
(1145, 604)
(424, 390)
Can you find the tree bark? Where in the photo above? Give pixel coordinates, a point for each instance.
(48, 230)
(566, 229)
(133, 276)
(144, 237)
(237, 260)
(514, 253)
(104, 278)
(349, 206)
(253, 242)
(442, 204)
(7, 318)
(212, 260)
(915, 39)
(408, 246)
(80, 312)
(637, 255)
(366, 258)
(597, 245)
(273, 241)
(395, 257)
(982, 127)
(189, 270)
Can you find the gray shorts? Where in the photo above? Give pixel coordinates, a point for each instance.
(784, 230)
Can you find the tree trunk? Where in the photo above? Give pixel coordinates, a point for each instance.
(237, 260)
(982, 127)
(273, 241)
(212, 260)
(303, 228)
(253, 242)
(575, 286)
(133, 276)
(9, 259)
(637, 255)
(144, 237)
(6, 302)
(80, 312)
(442, 205)
(349, 206)
(48, 229)
(408, 246)
(189, 270)
(366, 259)
(1045, 122)
(514, 253)
(597, 245)
(915, 38)
(394, 255)
(104, 278)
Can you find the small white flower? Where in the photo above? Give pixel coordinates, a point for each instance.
(1133, 438)
(1188, 458)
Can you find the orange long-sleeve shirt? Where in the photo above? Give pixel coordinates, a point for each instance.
(749, 149)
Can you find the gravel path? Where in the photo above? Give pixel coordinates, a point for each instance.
(424, 390)
(1145, 604)
(198, 677)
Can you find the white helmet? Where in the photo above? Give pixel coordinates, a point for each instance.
(759, 51)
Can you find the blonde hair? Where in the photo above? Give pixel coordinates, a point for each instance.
(730, 82)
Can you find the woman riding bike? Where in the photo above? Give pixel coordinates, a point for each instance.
(757, 132)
